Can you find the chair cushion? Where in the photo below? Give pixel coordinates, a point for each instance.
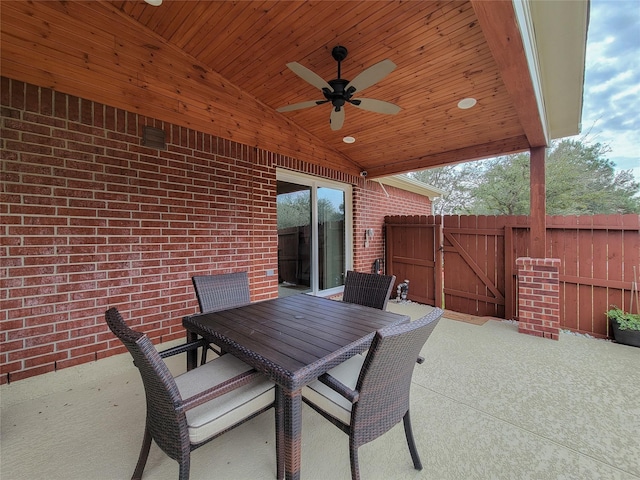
(328, 399)
(217, 415)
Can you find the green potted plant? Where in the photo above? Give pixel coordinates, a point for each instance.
(625, 326)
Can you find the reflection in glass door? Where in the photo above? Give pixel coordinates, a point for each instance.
(313, 253)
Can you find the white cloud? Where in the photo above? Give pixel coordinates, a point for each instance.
(611, 110)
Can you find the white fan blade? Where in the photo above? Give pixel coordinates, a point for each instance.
(308, 76)
(378, 106)
(337, 119)
(371, 75)
(299, 106)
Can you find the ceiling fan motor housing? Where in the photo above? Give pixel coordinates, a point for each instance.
(339, 96)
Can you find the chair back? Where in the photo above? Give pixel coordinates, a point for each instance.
(385, 378)
(166, 421)
(223, 291)
(368, 289)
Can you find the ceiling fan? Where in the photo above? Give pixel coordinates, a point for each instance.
(340, 91)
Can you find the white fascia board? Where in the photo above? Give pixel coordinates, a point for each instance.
(409, 184)
(554, 35)
(527, 32)
(561, 37)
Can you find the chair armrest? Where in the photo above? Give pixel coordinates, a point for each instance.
(220, 389)
(169, 352)
(339, 387)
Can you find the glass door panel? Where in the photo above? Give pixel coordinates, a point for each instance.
(331, 237)
(294, 238)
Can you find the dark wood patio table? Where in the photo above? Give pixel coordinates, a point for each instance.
(292, 340)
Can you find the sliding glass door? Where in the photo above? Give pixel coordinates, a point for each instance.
(314, 223)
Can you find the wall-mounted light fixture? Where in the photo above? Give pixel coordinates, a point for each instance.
(368, 235)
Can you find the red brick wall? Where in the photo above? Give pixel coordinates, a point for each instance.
(92, 219)
(371, 204)
(539, 297)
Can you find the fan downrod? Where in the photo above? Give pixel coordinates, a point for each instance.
(339, 53)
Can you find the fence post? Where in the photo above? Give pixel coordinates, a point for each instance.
(509, 289)
(438, 243)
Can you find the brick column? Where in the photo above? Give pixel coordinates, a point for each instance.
(539, 297)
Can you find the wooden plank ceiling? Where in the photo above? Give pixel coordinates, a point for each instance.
(240, 51)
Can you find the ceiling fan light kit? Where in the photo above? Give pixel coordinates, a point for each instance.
(340, 91)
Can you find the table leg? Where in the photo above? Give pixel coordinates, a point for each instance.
(279, 434)
(292, 436)
(192, 355)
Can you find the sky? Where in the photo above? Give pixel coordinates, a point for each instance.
(611, 108)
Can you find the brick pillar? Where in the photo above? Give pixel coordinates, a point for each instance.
(539, 297)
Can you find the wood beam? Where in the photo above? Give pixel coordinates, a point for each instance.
(467, 154)
(538, 209)
(500, 28)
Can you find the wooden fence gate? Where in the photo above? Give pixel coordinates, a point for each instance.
(413, 253)
(472, 265)
(478, 277)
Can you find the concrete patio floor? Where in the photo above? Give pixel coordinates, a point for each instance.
(488, 403)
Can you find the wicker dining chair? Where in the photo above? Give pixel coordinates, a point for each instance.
(220, 292)
(366, 396)
(368, 289)
(189, 410)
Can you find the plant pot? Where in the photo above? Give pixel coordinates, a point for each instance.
(626, 337)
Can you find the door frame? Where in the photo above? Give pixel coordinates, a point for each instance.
(315, 183)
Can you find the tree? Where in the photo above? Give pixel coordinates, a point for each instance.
(580, 180)
(456, 180)
(503, 187)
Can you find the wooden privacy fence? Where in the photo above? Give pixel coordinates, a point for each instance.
(468, 263)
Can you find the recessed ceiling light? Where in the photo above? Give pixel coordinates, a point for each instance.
(467, 103)
(348, 139)
(154, 3)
